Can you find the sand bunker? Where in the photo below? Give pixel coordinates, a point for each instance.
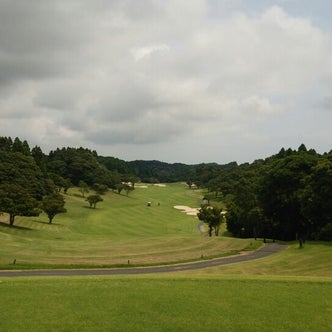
(160, 185)
(186, 209)
(140, 186)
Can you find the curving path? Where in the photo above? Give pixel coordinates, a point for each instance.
(266, 250)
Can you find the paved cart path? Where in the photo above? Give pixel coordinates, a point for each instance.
(266, 250)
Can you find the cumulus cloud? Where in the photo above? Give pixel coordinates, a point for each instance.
(112, 73)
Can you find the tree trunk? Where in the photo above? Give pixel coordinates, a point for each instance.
(300, 242)
(11, 219)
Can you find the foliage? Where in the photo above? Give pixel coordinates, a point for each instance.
(212, 216)
(127, 187)
(287, 196)
(22, 183)
(22, 170)
(83, 188)
(16, 201)
(154, 171)
(100, 189)
(52, 205)
(78, 165)
(93, 200)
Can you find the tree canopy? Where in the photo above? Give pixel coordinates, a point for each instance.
(211, 215)
(287, 196)
(52, 205)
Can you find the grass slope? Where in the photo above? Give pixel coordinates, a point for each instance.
(314, 259)
(121, 228)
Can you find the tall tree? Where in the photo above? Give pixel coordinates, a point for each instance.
(22, 170)
(282, 194)
(22, 147)
(316, 200)
(16, 201)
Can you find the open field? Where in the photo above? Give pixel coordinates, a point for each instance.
(121, 228)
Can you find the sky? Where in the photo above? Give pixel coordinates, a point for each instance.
(176, 81)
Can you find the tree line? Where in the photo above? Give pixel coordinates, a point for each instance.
(287, 196)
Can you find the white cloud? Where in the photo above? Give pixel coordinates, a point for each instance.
(147, 51)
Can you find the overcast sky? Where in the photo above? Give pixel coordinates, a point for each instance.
(178, 81)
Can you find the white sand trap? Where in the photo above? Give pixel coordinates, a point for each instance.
(141, 186)
(160, 185)
(186, 209)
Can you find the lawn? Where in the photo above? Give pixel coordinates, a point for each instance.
(165, 303)
(288, 291)
(314, 259)
(121, 228)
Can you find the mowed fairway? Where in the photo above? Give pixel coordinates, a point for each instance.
(119, 230)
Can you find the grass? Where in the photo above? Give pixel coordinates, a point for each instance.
(313, 260)
(164, 304)
(288, 291)
(121, 228)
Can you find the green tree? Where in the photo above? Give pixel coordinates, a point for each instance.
(83, 188)
(16, 201)
(6, 143)
(52, 205)
(316, 200)
(211, 215)
(22, 147)
(16, 168)
(128, 188)
(93, 200)
(39, 157)
(100, 189)
(66, 185)
(282, 195)
(119, 187)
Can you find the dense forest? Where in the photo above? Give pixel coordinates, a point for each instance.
(286, 196)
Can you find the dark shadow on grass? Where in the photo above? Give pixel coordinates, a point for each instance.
(77, 195)
(88, 207)
(227, 234)
(315, 243)
(3, 224)
(47, 223)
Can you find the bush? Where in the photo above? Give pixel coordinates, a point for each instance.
(325, 233)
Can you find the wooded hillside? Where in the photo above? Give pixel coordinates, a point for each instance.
(286, 196)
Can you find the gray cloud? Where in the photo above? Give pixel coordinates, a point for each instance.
(327, 103)
(111, 73)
